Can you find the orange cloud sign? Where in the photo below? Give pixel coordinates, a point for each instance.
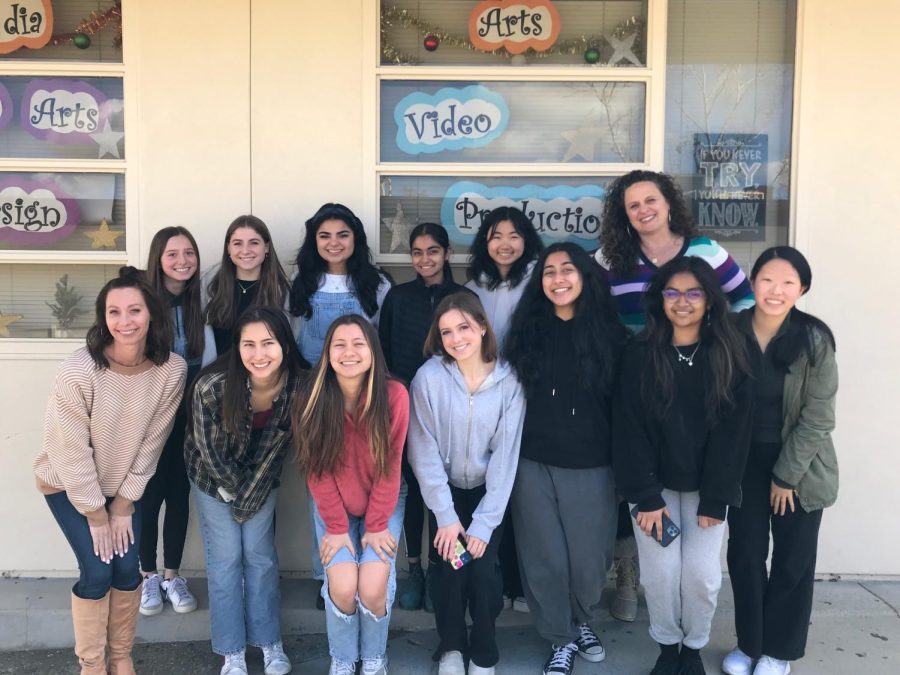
(25, 23)
(516, 25)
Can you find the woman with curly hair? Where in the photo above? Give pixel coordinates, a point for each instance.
(645, 224)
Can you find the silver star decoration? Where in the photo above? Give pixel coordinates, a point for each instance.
(108, 140)
(622, 49)
(582, 140)
(399, 230)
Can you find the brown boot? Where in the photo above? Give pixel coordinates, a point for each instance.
(624, 605)
(89, 618)
(123, 611)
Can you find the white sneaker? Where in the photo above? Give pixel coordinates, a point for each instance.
(478, 670)
(235, 664)
(374, 667)
(451, 664)
(737, 663)
(520, 605)
(275, 660)
(339, 667)
(769, 666)
(178, 594)
(151, 598)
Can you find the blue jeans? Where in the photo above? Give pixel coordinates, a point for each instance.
(95, 576)
(242, 572)
(326, 307)
(361, 634)
(318, 570)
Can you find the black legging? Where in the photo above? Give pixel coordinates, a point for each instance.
(414, 516)
(170, 485)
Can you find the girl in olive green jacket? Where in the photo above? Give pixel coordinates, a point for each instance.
(791, 472)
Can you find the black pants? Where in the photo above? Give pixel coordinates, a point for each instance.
(477, 586)
(414, 516)
(771, 610)
(509, 560)
(170, 485)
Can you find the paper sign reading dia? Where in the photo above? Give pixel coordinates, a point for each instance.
(35, 212)
(25, 23)
(62, 111)
(515, 24)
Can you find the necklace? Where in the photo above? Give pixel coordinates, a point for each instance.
(673, 244)
(686, 359)
(126, 365)
(246, 288)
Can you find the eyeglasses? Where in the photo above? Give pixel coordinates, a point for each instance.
(691, 295)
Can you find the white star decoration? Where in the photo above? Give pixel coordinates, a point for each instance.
(399, 230)
(108, 140)
(582, 140)
(622, 49)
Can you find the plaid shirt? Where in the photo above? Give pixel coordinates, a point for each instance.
(218, 459)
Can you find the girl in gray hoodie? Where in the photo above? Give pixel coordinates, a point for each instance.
(466, 414)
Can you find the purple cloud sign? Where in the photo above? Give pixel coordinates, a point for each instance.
(62, 111)
(35, 211)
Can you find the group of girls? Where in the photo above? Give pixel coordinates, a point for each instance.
(530, 407)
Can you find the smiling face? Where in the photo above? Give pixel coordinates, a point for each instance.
(505, 246)
(247, 250)
(647, 209)
(777, 288)
(178, 262)
(684, 302)
(349, 353)
(562, 283)
(334, 243)
(261, 353)
(461, 335)
(428, 258)
(127, 317)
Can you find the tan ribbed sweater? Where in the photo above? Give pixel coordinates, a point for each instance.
(104, 431)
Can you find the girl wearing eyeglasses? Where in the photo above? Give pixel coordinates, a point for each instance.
(680, 438)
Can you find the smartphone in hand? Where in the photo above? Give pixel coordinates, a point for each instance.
(670, 529)
(460, 556)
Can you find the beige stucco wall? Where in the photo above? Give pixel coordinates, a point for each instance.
(197, 163)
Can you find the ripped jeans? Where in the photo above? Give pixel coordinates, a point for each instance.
(360, 635)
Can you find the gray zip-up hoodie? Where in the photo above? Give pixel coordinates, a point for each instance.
(465, 440)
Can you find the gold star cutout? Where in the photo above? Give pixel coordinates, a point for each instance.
(103, 237)
(6, 320)
(400, 230)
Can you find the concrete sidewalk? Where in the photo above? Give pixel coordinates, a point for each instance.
(855, 629)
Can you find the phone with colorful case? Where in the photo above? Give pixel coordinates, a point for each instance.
(460, 557)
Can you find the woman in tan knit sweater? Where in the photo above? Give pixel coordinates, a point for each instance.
(110, 411)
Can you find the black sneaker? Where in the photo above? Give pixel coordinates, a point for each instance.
(562, 660)
(589, 646)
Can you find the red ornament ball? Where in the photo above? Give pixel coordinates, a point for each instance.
(431, 42)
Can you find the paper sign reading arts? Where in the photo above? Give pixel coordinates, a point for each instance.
(451, 119)
(35, 212)
(515, 24)
(25, 23)
(561, 212)
(62, 111)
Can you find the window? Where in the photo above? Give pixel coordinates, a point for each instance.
(63, 164)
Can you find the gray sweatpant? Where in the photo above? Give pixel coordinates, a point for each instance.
(565, 524)
(682, 581)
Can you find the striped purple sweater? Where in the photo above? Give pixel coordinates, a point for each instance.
(627, 292)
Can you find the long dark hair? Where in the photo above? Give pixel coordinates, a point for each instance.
(480, 262)
(273, 283)
(237, 377)
(318, 416)
(441, 238)
(725, 351)
(597, 331)
(365, 277)
(159, 332)
(467, 303)
(621, 245)
(800, 333)
(193, 315)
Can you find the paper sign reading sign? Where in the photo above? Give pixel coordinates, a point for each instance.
(35, 212)
(62, 111)
(561, 212)
(25, 23)
(515, 24)
(6, 106)
(451, 119)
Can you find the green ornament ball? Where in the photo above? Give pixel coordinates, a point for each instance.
(592, 55)
(81, 41)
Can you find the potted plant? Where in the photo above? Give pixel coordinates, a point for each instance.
(65, 309)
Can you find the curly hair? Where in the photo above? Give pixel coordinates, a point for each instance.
(620, 244)
(482, 266)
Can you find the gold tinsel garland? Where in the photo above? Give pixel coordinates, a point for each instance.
(394, 16)
(98, 21)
